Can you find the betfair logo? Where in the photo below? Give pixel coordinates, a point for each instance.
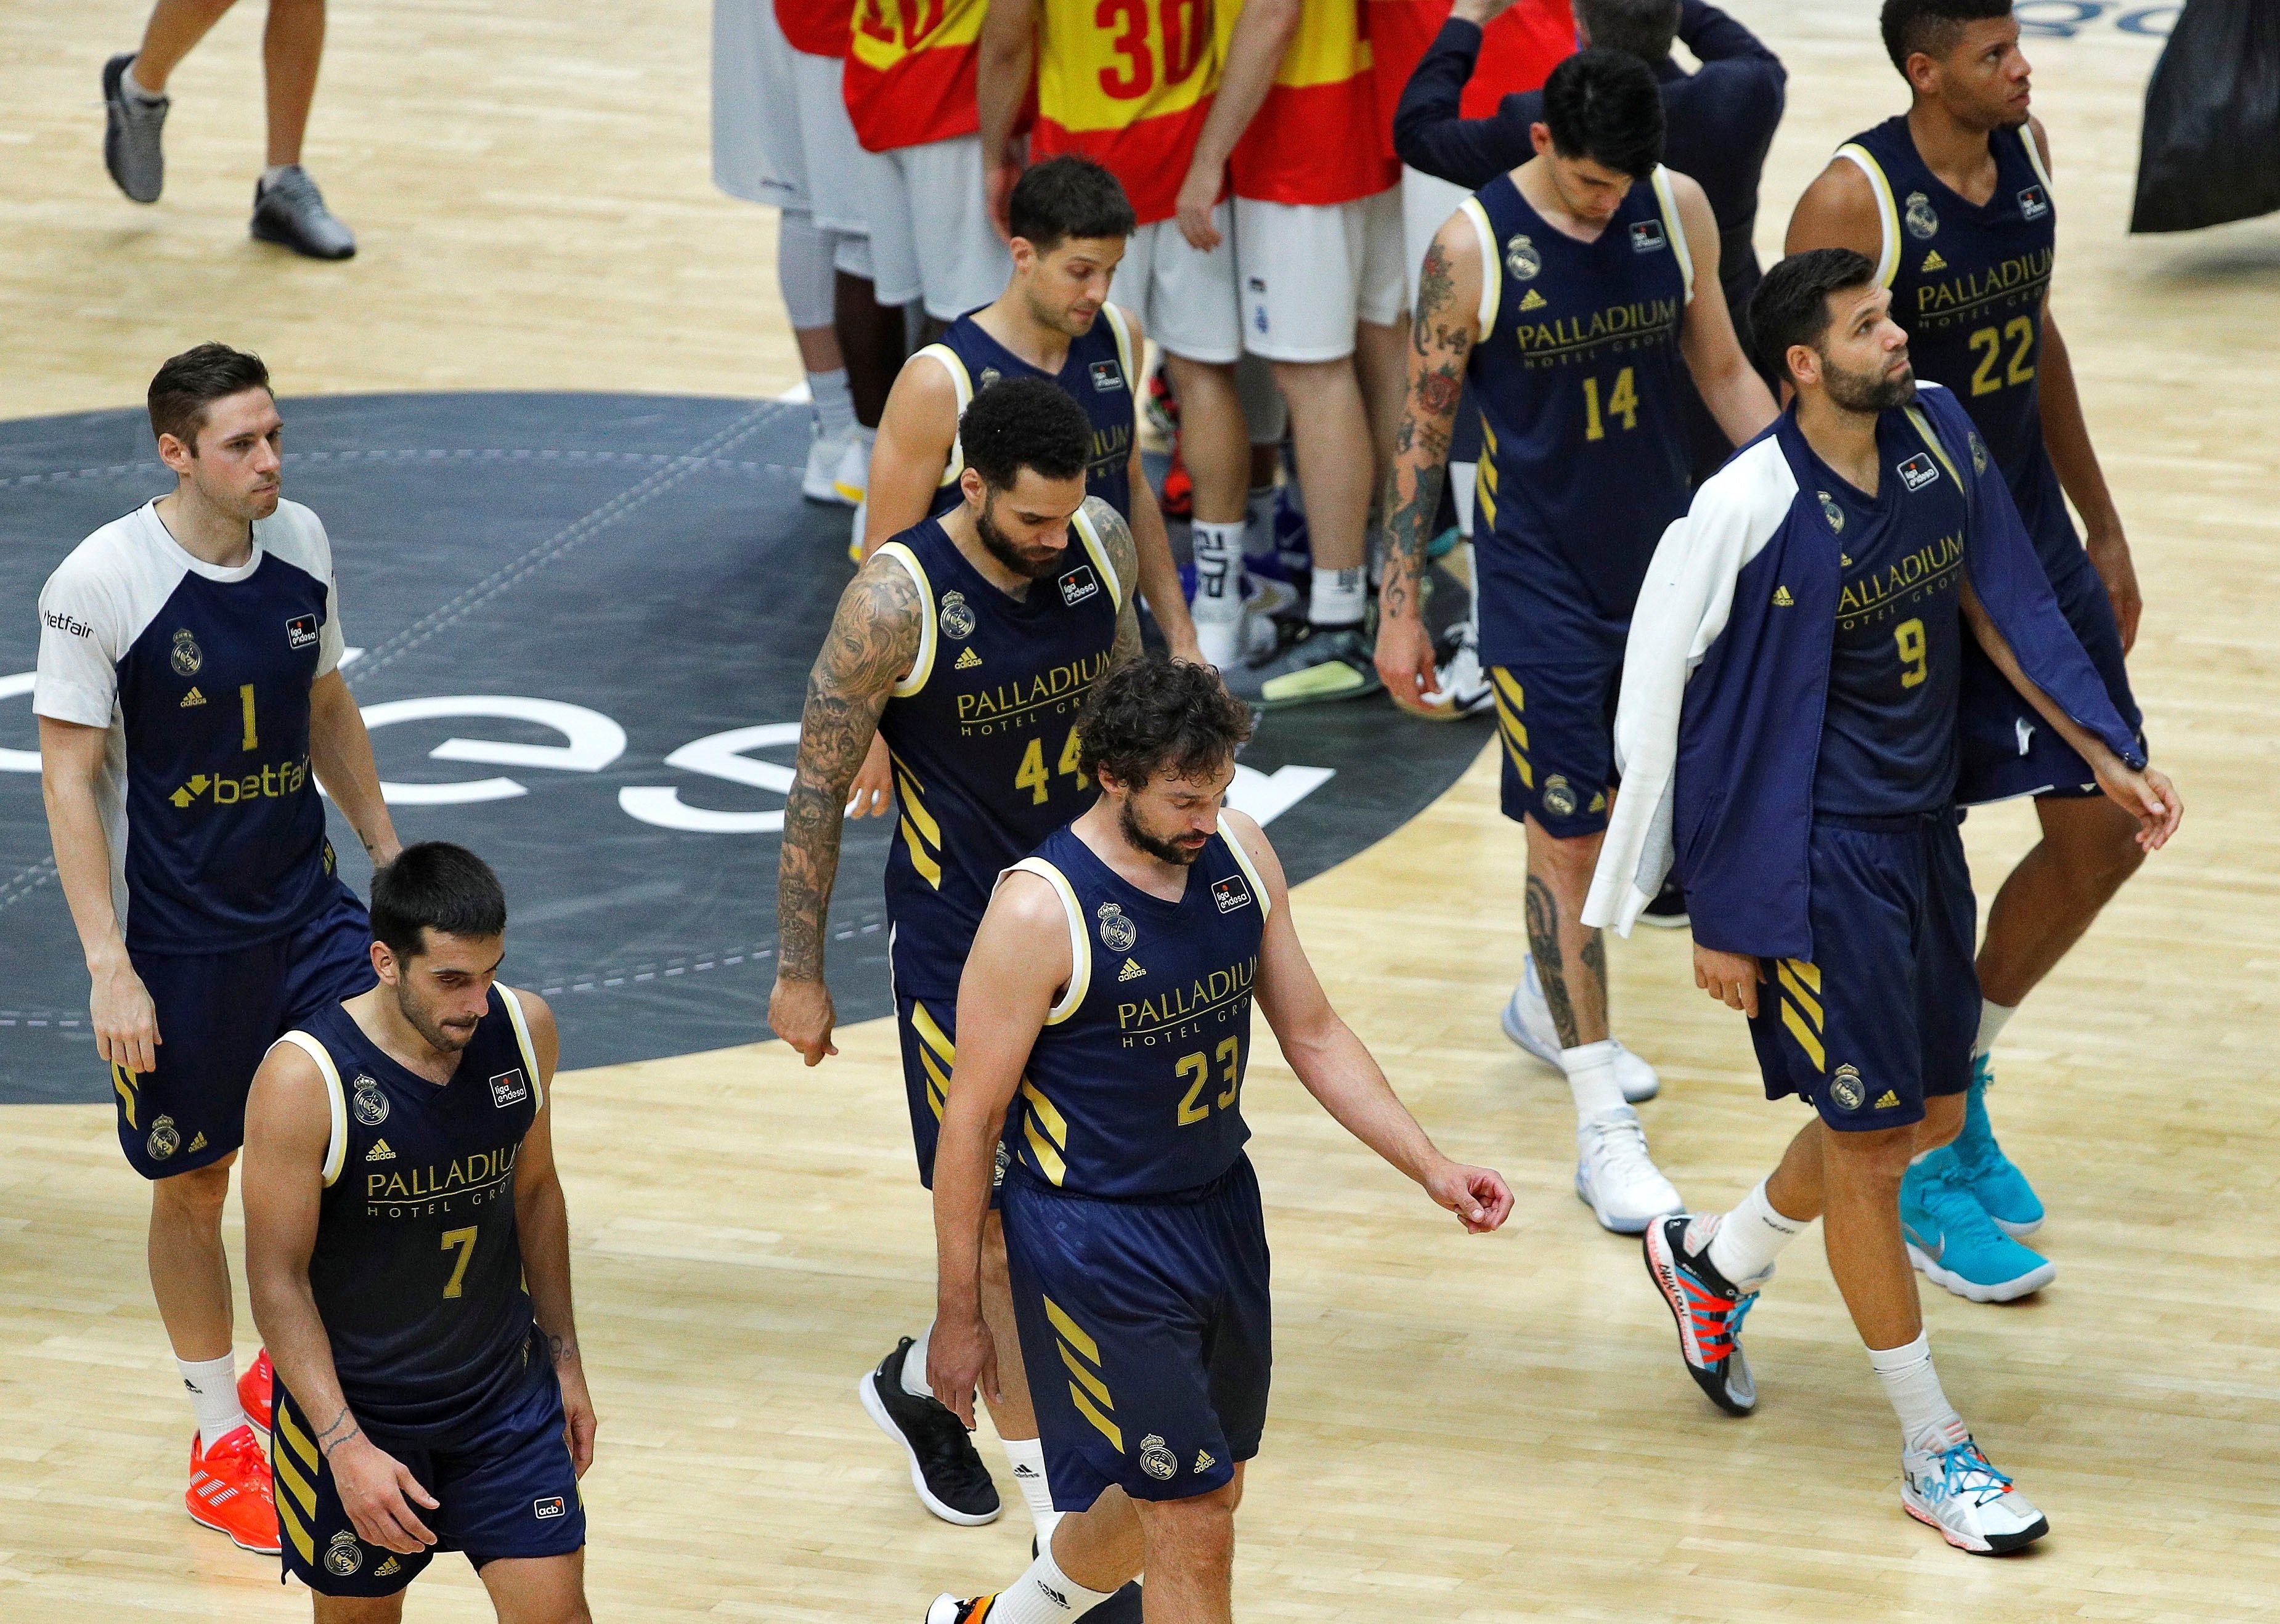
(1885, 1101)
(1534, 301)
(380, 1153)
(276, 779)
(967, 661)
(1132, 972)
(1933, 262)
(193, 697)
(1782, 599)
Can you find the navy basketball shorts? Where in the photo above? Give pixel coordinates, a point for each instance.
(218, 1014)
(2007, 748)
(1885, 1016)
(1558, 725)
(508, 1490)
(928, 1029)
(1147, 1332)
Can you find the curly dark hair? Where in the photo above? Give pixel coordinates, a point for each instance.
(1157, 715)
(1019, 423)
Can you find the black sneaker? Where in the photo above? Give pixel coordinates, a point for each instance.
(1313, 664)
(949, 1475)
(1667, 911)
(1709, 1309)
(131, 131)
(290, 211)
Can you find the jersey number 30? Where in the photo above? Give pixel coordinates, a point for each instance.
(1193, 1106)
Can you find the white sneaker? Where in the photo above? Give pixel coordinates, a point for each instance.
(852, 478)
(1616, 1178)
(1975, 1507)
(855, 534)
(825, 454)
(1465, 690)
(1526, 1021)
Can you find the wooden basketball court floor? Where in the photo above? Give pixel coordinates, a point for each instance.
(1475, 1430)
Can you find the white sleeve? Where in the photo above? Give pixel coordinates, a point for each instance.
(331, 641)
(82, 635)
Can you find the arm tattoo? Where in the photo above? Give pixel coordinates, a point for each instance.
(1124, 557)
(327, 1443)
(1442, 338)
(559, 1348)
(874, 638)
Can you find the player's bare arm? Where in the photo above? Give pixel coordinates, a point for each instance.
(1003, 65)
(340, 753)
(2147, 796)
(1837, 211)
(288, 1124)
(916, 431)
(1336, 1066)
(542, 1224)
(118, 1006)
(1159, 576)
(1263, 33)
(1441, 340)
(873, 640)
(1124, 557)
(1019, 963)
(1736, 397)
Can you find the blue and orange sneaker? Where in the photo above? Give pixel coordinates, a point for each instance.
(2003, 1190)
(1953, 1243)
(1949, 1484)
(1709, 1308)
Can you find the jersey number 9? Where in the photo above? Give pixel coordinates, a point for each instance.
(1908, 637)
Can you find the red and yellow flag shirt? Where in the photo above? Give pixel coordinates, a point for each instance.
(1518, 52)
(910, 71)
(1129, 84)
(818, 27)
(1312, 141)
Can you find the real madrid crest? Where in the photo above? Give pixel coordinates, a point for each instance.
(1922, 222)
(1558, 796)
(186, 657)
(956, 616)
(990, 376)
(371, 1104)
(1978, 453)
(1847, 1089)
(163, 1139)
(1521, 257)
(1156, 1461)
(342, 1555)
(1118, 933)
(1833, 513)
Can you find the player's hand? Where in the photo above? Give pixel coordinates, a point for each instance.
(1730, 978)
(802, 1014)
(1478, 1195)
(960, 1356)
(1198, 195)
(1405, 661)
(2109, 556)
(2149, 796)
(125, 1021)
(578, 1419)
(377, 1490)
(997, 186)
(1479, 13)
(874, 783)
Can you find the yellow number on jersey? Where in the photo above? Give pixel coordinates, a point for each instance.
(1071, 754)
(1909, 635)
(1987, 344)
(1622, 402)
(1230, 1056)
(464, 1240)
(1032, 775)
(252, 740)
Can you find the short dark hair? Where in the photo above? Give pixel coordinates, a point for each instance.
(191, 381)
(1791, 305)
(1605, 105)
(1019, 423)
(1931, 26)
(434, 886)
(1157, 714)
(1069, 196)
(1641, 28)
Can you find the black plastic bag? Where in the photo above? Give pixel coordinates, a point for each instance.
(2210, 151)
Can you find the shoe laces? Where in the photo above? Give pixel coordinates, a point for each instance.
(1964, 1472)
(1622, 1143)
(236, 1448)
(1947, 1195)
(295, 188)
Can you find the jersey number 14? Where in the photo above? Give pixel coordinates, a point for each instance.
(1622, 402)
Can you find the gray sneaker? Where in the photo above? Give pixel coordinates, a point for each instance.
(1322, 662)
(291, 211)
(131, 151)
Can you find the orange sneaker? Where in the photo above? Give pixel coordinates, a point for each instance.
(253, 1391)
(230, 1493)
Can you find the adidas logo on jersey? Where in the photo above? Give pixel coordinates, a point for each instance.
(388, 1567)
(1885, 1101)
(1534, 301)
(197, 1143)
(1782, 599)
(1933, 262)
(1132, 972)
(380, 1153)
(967, 661)
(1204, 1461)
(193, 697)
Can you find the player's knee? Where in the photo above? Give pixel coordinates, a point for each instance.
(195, 1195)
(1308, 380)
(1566, 859)
(1193, 1535)
(1943, 1120)
(1875, 1158)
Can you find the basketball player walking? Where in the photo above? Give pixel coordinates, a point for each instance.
(1566, 298)
(1952, 203)
(409, 1254)
(189, 687)
(1835, 568)
(1111, 986)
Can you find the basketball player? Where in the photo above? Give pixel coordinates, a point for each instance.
(409, 1255)
(1834, 569)
(288, 208)
(1135, 102)
(1111, 986)
(1567, 299)
(189, 687)
(1952, 203)
(967, 644)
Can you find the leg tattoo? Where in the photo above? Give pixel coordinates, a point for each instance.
(1543, 942)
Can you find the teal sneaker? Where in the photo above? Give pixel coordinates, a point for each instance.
(2002, 1190)
(1953, 1241)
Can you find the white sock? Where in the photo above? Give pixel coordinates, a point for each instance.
(1591, 1069)
(1340, 596)
(1750, 1237)
(1045, 1595)
(1993, 1019)
(1217, 550)
(1258, 522)
(133, 88)
(214, 1395)
(914, 1376)
(1913, 1386)
(834, 407)
(1029, 1458)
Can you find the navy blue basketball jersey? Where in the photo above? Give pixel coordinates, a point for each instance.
(202, 675)
(1888, 734)
(1969, 282)
(1135, 1086)
(417, 1270)
(983, 734)
(1097, 375)
(1576, 377)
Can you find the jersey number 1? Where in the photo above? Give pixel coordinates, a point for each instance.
(1622, 402)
